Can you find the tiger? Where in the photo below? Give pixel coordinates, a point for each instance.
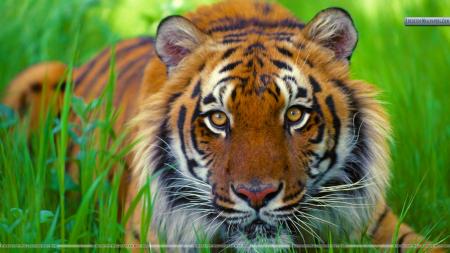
(249, 127)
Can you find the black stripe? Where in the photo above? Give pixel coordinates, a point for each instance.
(260, 62)
(331, 153)
(267, 8)
(172, 99)
(240, 23)
(196, 90)
(131, 64)
(300, 45)
(288, 78)
(233, 94)
(209, 162)
(309, 63)
(251, 48)
(265, 79)
(249, 63)
(316, 107)
(379, 220)
(233, 35)
(286, 39)
(196, 112)
(314, 84)
(180, 125)
(141, 41)
(320, 134)
(229, 78)
(273, 94)
(139, 62)
(145, 41)
(228, 52)
(229, 41)
(277, 90)
(230, 66)
(292, 196)
(194, 141)
(89, 66)
(286, 207)
(403, 237)
(136, 235)
(285, 34)
(60, 86)
(344, 88)
(337, 128)
(169, 176)
(221, 93)
(221, 198)
(284, 51)
(302, 93)
(354, 168)
(209, 99)
(226, 209)
(278, 36)
(202, 66)
(281, 65)
(160, 155)
(401, 240)
(36, 87)
(207, 154)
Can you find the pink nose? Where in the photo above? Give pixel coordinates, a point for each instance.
(256, 195)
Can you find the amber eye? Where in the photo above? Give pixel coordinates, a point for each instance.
(294, 114)
(219, 119)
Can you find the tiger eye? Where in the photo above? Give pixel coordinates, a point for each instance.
(218, 118)
(294, 114)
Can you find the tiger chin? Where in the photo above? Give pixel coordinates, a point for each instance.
(250, 129)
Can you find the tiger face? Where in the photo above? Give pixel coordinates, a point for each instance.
(259, 134)
(263, 137)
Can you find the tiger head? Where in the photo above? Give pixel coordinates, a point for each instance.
(258, 132)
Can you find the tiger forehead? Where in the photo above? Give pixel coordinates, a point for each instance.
(259, 67)
(250, 33)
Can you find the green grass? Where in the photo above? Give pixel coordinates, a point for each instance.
(42, 204)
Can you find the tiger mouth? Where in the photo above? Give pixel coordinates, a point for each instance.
(259, 229)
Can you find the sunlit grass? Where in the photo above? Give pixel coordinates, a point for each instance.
(41, 203)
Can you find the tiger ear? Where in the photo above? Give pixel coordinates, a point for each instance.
(176, 37)
(333, 28)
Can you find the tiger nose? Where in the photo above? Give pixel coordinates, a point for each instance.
(257, 195)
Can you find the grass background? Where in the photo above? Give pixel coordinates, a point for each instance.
(41, 204)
